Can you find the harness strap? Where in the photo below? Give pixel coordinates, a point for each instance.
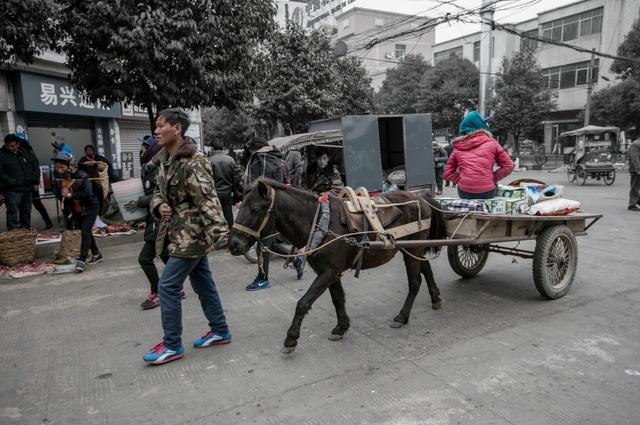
(256, 233)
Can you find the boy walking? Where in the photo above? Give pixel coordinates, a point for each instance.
(191, 223)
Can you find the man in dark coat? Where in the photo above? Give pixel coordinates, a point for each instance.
(19, 173)
(634, 173)
(226, 177)
(264, 160)
(92, 156)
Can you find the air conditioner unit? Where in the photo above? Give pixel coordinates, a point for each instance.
(390, 55)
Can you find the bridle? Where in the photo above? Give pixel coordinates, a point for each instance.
(271, 195)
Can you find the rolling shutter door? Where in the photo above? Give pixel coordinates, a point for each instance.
(130, 132)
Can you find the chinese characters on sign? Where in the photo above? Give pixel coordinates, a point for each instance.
(126, 164)
(67, 96)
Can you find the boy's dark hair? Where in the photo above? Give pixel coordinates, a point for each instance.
(12, 138)
(176, 116)
(217, 145)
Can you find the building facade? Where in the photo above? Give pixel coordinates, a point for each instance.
(40, 100)
(589, 24)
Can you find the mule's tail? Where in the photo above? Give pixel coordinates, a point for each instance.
(438, 227)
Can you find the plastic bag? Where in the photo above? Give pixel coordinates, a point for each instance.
(558, 206)
(536, 194)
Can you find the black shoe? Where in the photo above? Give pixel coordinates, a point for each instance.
(635, 207)
(80, 266)
(95, 259)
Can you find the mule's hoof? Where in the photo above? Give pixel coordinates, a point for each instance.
(287, 350)
(436, 306)
(396, 325)
(335, 337)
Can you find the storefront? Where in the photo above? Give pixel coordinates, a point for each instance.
(133, 126)
(52, 110)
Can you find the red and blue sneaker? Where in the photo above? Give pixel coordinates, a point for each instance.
(212, 338)
(161, 354)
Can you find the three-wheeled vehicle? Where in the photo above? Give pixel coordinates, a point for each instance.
(589, 152)
(372, 150)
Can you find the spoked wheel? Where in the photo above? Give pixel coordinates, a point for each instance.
(610, 177)
(571, 174)
(581, 176)
(555, 261)
(252, 254)
(467, 260)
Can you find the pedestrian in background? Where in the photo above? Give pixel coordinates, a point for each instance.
(35, 194)
(191, 223)
(295, 167)
(149, 175)
(471, 164)
(80, 206)
(440, 157)
(90, 155)
(226, 175)
(19, 173)
(449, 150)
(634, 173)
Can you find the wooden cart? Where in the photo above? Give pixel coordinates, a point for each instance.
(473, 236)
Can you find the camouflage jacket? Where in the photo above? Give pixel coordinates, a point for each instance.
(185, 183)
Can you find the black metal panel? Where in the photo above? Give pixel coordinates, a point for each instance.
(418, 151)
(362, 152)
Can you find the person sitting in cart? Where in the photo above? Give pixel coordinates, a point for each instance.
(321, 176)
(471, 164)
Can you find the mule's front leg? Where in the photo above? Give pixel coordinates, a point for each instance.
(337, 296)
(317, 288)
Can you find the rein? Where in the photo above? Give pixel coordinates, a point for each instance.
(271, 194)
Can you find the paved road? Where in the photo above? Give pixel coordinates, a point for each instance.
(497, 353)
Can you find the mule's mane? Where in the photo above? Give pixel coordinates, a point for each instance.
(290, 189)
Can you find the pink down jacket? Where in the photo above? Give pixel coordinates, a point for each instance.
(471, 164)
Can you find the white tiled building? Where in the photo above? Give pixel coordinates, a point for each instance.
(590, 24)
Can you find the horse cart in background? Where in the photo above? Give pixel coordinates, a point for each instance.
(589, 153)
(372, 150)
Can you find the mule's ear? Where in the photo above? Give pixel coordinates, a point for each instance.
(263, 190)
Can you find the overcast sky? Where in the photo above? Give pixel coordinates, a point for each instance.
(518, 10)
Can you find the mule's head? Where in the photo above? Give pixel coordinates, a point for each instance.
(251, 216)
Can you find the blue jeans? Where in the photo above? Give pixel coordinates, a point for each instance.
(173, 276)
(484, 195)
(18, 209)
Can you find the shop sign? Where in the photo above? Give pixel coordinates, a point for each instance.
(126, 164)
(40, 93)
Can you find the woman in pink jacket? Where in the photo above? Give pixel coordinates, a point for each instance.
(471, 164)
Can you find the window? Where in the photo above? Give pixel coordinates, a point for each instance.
(401, 50)
(476, 51)
(528, 43)
(568, 76)
(446, 54)
(378, 22)
(345, 24)
(573, 26)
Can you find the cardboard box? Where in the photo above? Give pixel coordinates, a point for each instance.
(502, 205)
(511, 192)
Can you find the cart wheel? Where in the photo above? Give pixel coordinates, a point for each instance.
(581, 176)
(610, 177)
(467, 260)
(571, 174)
(555, 261)
(252, 254)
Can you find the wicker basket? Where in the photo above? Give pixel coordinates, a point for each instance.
(69, 247)
(104, 182)
(18, 247)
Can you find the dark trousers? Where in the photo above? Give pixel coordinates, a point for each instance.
(264, 258)
(439, 172)
(170, 285)
(634, 193)
(226, 200)
(37, 204)
(484, 195)
(18, 210)
(145, 259)
(84, 222)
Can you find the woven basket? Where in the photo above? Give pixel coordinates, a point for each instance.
(18, 247)
(69, 247)
(104, 182)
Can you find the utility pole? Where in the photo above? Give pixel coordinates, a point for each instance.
(486, 15)
(587, 106)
